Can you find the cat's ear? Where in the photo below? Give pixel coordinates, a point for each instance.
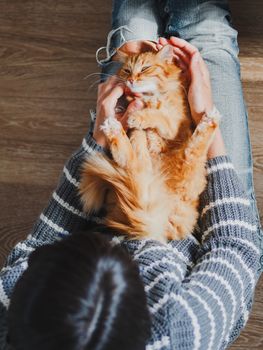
(166, 54)
(121, 55)
(147, 46)
(135, 47)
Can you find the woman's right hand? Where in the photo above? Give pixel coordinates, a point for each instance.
(109, 94)
(189, 58)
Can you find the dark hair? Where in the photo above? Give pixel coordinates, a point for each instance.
(80, 293)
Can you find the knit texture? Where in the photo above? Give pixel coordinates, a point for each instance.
(199, 293)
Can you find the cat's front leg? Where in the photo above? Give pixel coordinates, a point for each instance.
(190, 178)
(139, 142)
(201, 139)
(157, 119)
(119, 143)
(189, 166)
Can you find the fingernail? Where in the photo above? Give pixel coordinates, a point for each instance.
(138, 103)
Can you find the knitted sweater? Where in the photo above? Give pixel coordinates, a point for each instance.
(199, 293)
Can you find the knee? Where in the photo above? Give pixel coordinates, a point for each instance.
(216, 38)
(217, 42)
(207, 25)
(223, 55)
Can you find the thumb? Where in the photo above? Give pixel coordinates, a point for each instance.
(195, 69)
(133, 107)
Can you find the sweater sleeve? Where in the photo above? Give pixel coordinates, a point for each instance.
(214, 301)
(161, 265)
(62, 215)
(160, 262)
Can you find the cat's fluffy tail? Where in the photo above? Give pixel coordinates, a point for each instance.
(138, 206)
(100, 174)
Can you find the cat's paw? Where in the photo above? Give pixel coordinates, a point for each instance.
(155, 143)
(135, 121)
(111, 127)
(212, 118)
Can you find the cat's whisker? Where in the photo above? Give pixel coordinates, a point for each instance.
(92, 74)
(94, 83)
(103, 75)
(118, 78)
(112, 75)
(184, 89)
(98, 73)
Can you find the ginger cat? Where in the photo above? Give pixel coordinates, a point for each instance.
(151, 186)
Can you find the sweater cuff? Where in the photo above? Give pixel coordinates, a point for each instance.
(91, 144)
(218, 163)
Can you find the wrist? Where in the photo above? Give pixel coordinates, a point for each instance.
(217, 147)
(100, 138)
(197, 115)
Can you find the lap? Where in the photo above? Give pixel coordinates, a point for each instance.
(207, 25)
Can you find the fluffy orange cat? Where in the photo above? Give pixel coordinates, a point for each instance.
(151, 186)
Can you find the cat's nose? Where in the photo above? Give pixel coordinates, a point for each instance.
(131, 81)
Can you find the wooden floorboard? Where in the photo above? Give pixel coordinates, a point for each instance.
(47, 48)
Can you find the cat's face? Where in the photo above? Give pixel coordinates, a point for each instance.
(149, 73)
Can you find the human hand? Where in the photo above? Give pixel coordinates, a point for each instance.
(190, 60)
(200, 98)
(108, 104)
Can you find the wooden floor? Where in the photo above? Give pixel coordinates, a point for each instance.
(46, 50)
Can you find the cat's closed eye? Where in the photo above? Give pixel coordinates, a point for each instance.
(145, 68)
(127, 70)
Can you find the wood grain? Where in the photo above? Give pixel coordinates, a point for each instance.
(47, 48)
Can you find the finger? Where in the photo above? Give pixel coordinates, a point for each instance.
(204, 67)
(159, 46)
(111, 100)
(163, 41)
(184, 45)
(180, 63)
(182, 55)
(134, 106)
(116, 92)
(107, 86)
(196, 70)
(178, 53)
(199, 69)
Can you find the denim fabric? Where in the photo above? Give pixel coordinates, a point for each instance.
(207, 25)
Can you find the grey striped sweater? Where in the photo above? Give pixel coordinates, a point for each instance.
(199, 291)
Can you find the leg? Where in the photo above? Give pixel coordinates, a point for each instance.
(207, 25)
(141, 17)
(133, 21)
